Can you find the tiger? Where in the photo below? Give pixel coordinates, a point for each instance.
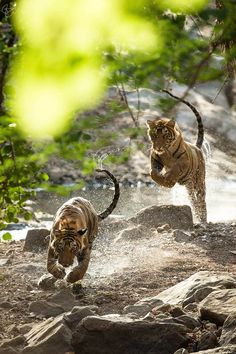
(73, 231)
(173, 160)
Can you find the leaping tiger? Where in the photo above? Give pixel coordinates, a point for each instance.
(173, 160)
(74, 229)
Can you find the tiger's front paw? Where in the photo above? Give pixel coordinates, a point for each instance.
(73, 276)
(59, 272)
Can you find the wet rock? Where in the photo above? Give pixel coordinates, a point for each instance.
(50, 336)
(176, 311)
(36, 240)
(45, 309)
(183, 292)
(207, 340)
(192, 307)
(123, 335)
(177, 216)
(202, 293)
(218, 305)
(73, 318)
(228, 335)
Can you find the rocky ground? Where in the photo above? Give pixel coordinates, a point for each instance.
(130, 261)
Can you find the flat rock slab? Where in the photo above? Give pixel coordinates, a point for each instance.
(218, 305)
(188, 290)
(122, 335)
(177, 216)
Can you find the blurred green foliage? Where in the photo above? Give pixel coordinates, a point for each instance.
(58, 61)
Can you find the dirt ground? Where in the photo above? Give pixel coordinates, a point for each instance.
(121, 272)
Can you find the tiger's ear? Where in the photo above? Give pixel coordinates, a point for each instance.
(150, 123)
(82, 232)
(171, 123)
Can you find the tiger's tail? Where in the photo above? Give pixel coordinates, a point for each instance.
(200, 136)
(116, 196)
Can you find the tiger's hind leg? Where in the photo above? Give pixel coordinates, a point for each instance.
(197, 194)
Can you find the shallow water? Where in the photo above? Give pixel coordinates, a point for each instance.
(221, 201)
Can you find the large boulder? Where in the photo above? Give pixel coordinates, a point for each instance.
(123, 335)
(218, 305)
(177, 216)
(188, 291)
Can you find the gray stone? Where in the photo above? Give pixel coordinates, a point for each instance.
(177, 216)
(50, 336)
(64, 298)
(140, 310)
(180, 236)
(36, 240)
(218, 305)
(189, 322)
(16, 342)
(183, 292)
(9, 350)
(228, 335)
(207, 340)
(45, 309)
(123, 335)
(133, 233)
(222, 350)
(47, 282)
(73, 318)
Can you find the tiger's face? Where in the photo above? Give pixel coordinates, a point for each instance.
(70, 240)
(162, 133)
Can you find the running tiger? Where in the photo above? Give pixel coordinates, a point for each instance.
(174, 160)
(74, 229)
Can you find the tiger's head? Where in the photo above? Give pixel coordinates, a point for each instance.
(163, 133)
(70, 239)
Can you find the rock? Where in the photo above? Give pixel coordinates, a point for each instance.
(47, 282)
(188, 321)
(50, 336)
(222, 350)
(6, 305)
(218, 305)
(228, 335)
(177, 216)
(180, 236)
(45, 309)
(140, 310)
(181, 351)
(5, 261)
(161, 308)
(122, 335)
(176, 311)
(9, 350)
(77, 314)
(207, 340)
(24, 328)
(133, 233)
(163, 228)
(17, 342)
(202, 293)
(64, 298)
(192, 307)
(36, 240)
(183, 292)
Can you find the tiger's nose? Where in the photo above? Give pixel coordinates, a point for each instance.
(65, 264)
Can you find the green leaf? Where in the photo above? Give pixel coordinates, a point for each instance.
(7, 236)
